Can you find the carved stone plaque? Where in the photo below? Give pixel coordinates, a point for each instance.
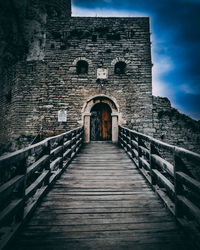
(62, 116)
(102, 73)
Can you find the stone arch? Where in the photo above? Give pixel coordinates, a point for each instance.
(81, 59)
(86, 113)
(111, 101)
(119, 59)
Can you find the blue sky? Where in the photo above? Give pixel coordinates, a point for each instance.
(175, 27)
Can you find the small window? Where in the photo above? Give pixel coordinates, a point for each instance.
(82, 67)
(120, 68)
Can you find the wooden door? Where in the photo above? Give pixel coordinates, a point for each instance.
(101, 123)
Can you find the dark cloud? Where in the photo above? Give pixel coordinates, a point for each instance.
(176, 35)
(189, 103)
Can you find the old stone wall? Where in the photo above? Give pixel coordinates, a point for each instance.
(47, 81)
(173, 127)
(42, 78)
(102, 42)
(22, 45)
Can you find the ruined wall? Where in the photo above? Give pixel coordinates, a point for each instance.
(23, 28)
(173, 127)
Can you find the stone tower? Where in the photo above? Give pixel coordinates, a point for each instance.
(96, 72)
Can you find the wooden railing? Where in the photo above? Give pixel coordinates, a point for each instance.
(27, 174)
(172, 172)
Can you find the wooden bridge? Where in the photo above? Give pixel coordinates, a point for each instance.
(95, 196)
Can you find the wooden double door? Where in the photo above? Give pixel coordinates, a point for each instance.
(101, 123)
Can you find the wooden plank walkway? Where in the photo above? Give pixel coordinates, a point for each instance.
(101, 202)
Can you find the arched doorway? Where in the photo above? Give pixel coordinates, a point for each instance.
(108, 108)
(101, 122)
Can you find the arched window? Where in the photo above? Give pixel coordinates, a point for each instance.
(82, 67)
(120, 68)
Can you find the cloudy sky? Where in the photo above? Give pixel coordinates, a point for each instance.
(175, 27)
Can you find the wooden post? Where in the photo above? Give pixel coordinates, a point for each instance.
(129, 142)
(72, 144)
(22, 189)
(152, 165)
(139, 152)
(77, 136)
(61, 165)
(125, 135)
(81, 136)
(177, 185)
(47, 165)
(122, 136)
(119, 136)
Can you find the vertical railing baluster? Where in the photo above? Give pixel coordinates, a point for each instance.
(70, 145)
(178, 188)
(139, 151)
(130, 142)
(22, 189)
(47, 151)
(61, 144)
(152, 166)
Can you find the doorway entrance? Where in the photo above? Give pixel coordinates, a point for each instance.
(101, 122)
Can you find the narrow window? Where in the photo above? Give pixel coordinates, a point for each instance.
(82, 67)
(120, 68)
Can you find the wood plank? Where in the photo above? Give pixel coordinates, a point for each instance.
(190, 208)
(36, 184)
(164, 181)
(7, 234)
(184, 153)
(19, 155)
(144, 151)
(165, 165)
(101, 178)
(70, 198)
(188, 181)
(144, 164)
(138, 227)
(7, 188)
(10, 210)
(56, 151)
(109, 244)
(101, 203)
(37, 165)
(55, 164)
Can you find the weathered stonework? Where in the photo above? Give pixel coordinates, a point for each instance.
(173, 127)
(44, 78)
(49, 82)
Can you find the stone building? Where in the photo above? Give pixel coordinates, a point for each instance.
(73, 71)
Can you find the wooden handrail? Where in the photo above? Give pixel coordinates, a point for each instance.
(169, 170)
(27, 174)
